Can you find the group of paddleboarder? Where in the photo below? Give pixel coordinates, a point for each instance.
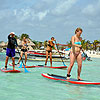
(75, 51)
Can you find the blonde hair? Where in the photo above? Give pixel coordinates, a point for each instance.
(78, 29)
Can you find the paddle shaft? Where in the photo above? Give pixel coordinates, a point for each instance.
(60, 54)
(84, 53)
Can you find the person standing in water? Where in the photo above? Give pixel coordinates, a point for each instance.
(50, 45)
(75, 53)
(24, 49)
(10, 52)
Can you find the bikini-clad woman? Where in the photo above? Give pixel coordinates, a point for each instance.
(24, 50)
(49, 50)
(75, 53)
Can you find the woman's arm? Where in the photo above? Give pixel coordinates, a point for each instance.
(56, 48)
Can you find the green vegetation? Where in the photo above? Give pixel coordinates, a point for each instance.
(24, 35)
(86, 44)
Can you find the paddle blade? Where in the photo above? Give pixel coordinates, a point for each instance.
(64, 64)
(26, 71)
(20, 65)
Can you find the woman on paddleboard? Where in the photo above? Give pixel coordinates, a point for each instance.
(50, 45)
(10, 52)
(24, 49)
(75, 53)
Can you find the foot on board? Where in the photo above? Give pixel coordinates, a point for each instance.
(68, 77)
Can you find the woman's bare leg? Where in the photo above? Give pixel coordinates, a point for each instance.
(72, 60)
(25, 58)
(20, 57)
(51, 58)
(79, 62)
(46, 58)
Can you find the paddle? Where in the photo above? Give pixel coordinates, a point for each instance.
(60, 54)
(85, 55)
(22, 63)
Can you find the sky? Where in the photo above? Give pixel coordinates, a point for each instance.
(42, 19)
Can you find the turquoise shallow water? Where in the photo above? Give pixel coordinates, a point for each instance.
(32, 86)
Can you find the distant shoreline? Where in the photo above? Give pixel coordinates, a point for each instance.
(93, 54)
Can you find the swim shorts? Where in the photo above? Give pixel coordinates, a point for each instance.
(10, 52)
(24, 50)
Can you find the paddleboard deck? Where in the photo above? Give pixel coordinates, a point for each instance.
(58, 67)
(10, 70)
(72, 81)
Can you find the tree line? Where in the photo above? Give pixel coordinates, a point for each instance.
(86, 44)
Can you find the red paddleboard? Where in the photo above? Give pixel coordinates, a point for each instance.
(59, 67)
(72, 81)
(32, 52)
(10, 70)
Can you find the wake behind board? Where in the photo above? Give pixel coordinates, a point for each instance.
(72, 81)
(10, 70)
(58, 67)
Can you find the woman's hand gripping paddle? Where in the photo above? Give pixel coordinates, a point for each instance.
(85, 55)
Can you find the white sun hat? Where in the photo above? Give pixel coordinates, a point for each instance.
(13, 33)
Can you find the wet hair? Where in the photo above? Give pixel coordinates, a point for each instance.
(52, 38)
(78, 29)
